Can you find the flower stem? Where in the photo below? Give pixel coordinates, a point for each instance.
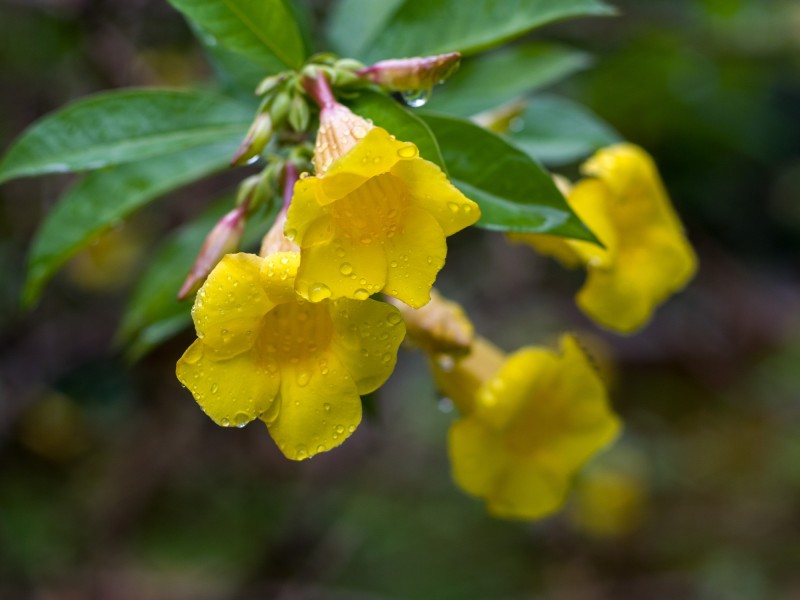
(320, 90)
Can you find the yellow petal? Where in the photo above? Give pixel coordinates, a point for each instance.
(319, 407)
(341, 269)
(375, 154)
(550, 245)
(477, 456)
(230, 305)
(231, 391)
(303, 210)
(367, 336)
(415, 255)
(278, 272)
(430, 190)
(525, 490)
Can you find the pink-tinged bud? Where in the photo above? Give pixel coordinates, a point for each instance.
(223, 239)
(255, 141)
(412, 74)
(276, 240)
(339, 128)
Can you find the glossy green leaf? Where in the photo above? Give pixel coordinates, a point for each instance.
(489, 80)
(400, 28)
(399, 121)
(557, 131)
(124, 126)
(154, 313)
(513, 191)
(262, 30)
(104, 198)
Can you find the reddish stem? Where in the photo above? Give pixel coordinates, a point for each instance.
(320, 91)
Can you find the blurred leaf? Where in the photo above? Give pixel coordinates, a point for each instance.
(557, 131)
(123, 126)
(513, 191)
(237, 75)
(400, 122)
(85, 210)
(261, 30)
(490, 80)
(154, 313)
(402, 28)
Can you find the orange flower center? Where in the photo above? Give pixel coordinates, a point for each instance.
(296, 330)
(373, 211)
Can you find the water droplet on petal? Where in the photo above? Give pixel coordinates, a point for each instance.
(319, 292)
(351, 428)
(408, 151)
(416, 98)
(240, 419)
(214, 388)
(290, 234)
(303, 377)
(224, 422)
(394, 318)
(361, 294)
(327, 407)
(346, 269)
(339, 429)
(453, 207)
(320, 448)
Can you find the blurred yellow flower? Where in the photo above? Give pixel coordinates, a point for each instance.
(533, 424)
(646, 256)
(264, 352)
(375, 216)
(609, 503)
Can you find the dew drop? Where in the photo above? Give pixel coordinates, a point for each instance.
(225, 422)
(302, 452)
(416, 98)
(339, 429)
(303, 378)
(351, 428)
(346, 269)
(394, 318)
(214, 388)
(386, 358)
(319, 292)
(290, 234)
(240, 419)
(320, 448)
(408, 151)
(327, 407)
(361, 294)
(453, 207)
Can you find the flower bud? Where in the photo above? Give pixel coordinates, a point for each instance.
(439, 327)
(223, 239)
(255, 141)
(299, 115)
(279, 109)
(410, 74)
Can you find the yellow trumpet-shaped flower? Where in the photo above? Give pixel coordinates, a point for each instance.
(533, 424)
(265, 352)
(646, 256)
(375, 216)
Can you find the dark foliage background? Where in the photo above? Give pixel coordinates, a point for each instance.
(114, 485)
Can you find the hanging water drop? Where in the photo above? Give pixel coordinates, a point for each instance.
(416, 98)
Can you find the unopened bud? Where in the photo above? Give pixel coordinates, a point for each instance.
(299, 114)
(411, 74)
(270, 83)
(255, 141)
(279, 109)
(223, 239)
(441, 326)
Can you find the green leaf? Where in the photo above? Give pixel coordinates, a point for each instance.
(104, 198)
(558, 131)
(154, 313)
(513, 191)
(403, 28)
(400, 122)
(489, 80)
(262, 30)
(124, 126)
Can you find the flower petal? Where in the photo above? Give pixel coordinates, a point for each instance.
(526, 490)
(432, 191)
(230, 304)
(477, 456)
(320, 407)
(414, 258)
(232, 391)
(278, 272)
(375, 154)
(367, 337)
(341, 269)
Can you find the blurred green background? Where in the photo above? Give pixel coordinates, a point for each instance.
(114, 485)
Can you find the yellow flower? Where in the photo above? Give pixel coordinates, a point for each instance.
(534, 423)
(264, 352)
(646, 256)
(375, 216)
